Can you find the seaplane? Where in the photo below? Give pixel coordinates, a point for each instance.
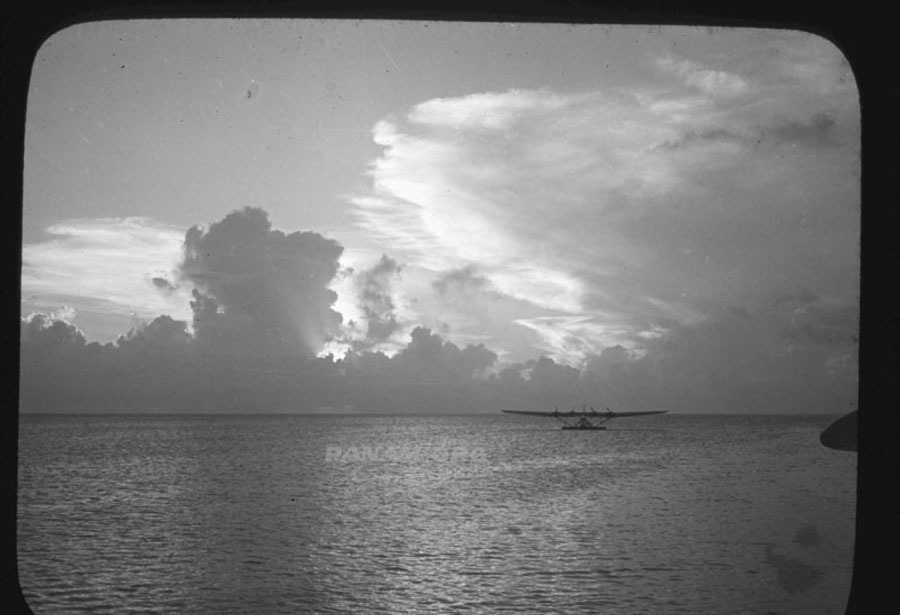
(586, 419)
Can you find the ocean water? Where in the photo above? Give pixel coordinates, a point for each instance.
(432, 514)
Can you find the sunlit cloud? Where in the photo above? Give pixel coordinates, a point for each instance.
(620, 213)
(107, 265)
(65, 313)
(490, 111)
(454, 198)
(571, 339)
(713, 82)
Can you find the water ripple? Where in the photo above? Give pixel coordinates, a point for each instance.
(246, 514)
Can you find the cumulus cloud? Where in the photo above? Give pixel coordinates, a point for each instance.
(243, 351)
(374, 292)
(261, 311)
(275, 285)
(160, 366)
(48, 331)
(162, 333)
(428, 374)
(729, 363)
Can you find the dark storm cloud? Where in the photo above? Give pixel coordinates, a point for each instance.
(693, 137)
(731, 363)
(602, 366)
(159, 335)
(464, 280)
(160, 366)
(428, 375)
(544, 384)
(429, 356)
(724, 364)
(163, 284)
(263, 281)
(374, 292)
(52, 365)
(827, 325)
(816, 131)
(44, 332)
(426, 359)
(149, 368)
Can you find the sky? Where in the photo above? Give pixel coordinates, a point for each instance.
(304, 215)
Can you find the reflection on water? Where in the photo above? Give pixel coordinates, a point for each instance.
(225, 514)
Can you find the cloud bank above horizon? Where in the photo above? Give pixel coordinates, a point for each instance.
(262, 307)
(688, 241)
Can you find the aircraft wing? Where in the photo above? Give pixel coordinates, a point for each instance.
(591, 413)
(635, 412)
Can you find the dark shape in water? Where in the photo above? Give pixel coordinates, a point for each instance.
(807, 536)
(793, 574)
